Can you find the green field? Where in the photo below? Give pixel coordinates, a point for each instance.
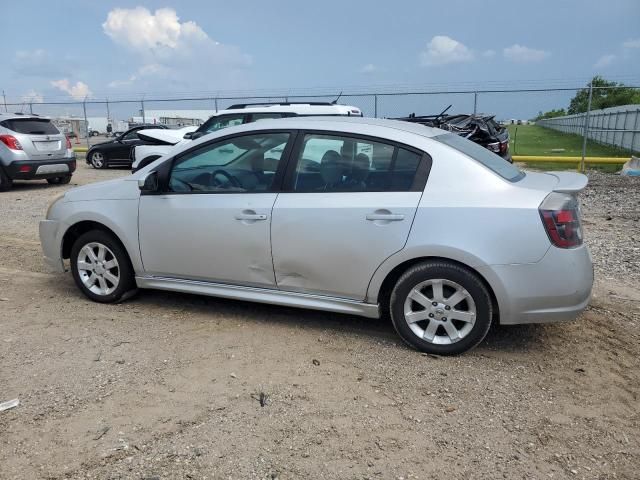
(535, 140)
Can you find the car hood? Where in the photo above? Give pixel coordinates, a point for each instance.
(108, 142)
(170, 137)
(118, 189)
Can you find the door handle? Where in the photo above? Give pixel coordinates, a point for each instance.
(389, 217)
(250, 216)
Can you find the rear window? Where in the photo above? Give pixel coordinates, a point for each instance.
(31, 126)
(489, 159)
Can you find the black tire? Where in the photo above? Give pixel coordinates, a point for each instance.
(98, 159)
(124, 268)
(5, 182)
(451, 272)
(59, 180)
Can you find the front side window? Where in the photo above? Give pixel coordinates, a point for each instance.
(132, 135)
(330, 163)
(261, 116)
(223, 121)
(239, 164)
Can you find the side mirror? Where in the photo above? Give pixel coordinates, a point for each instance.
(196, 135)
(188, 136)
(149, 183)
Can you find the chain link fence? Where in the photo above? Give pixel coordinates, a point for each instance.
(618, 128)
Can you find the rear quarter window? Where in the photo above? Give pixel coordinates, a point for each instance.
(31, 126)
(493, 162)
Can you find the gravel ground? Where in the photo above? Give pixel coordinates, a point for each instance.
(180, 386)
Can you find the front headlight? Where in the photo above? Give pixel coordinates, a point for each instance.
(53, 202)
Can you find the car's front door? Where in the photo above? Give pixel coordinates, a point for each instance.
(122, 145)
(213, 221)
(348, 204)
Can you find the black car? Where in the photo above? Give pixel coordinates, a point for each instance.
(481, 129)
(118, 150)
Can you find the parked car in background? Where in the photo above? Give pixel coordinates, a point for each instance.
(240, 114)
(118, 150)
(362, 216)
(32, 148)
(481, 129)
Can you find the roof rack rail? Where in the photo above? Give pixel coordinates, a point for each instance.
(238, 106)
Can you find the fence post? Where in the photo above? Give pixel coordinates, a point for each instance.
(216, 103)
(108, 113)
(475, 102)
(375, 106)
(144, 119)
(86, 122)
(4, 98)
(635, 131)
(31, 108)
(586, 127)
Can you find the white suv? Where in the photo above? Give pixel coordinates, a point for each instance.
(238, 114)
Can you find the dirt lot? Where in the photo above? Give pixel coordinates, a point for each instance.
(169, 385)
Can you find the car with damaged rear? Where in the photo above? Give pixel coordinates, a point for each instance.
(481, 129)
(361, 216)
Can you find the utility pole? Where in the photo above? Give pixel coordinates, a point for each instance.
(586, 127)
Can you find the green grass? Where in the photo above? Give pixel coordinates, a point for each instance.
(535, 140)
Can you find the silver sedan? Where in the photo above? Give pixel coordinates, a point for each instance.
(361, 216)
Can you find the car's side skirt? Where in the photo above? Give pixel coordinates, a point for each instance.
(261, 295)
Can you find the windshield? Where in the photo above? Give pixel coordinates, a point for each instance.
(487, 158)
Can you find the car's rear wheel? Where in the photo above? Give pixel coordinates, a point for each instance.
(101, 267)
(5, 182)
(98, 160)
(59, 180)
(440, 307)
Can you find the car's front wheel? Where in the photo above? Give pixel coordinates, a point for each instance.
(440, 307)
(59, 180)
(101, 267)
(97, 160)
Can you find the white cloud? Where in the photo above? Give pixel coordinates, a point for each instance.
(442, 50)
(605, 61)
(180, 53)
(489, 53)
(79, 91)
(32, 97)
(369, 68)
(521, 54)
(635, 43)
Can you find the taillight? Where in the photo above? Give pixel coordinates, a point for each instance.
(504, 146)
(69, 147)
(560, 215)
(11, 142)
(494, 147)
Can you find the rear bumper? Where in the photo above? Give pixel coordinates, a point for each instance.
(555, 289)
(51, 247)
(35, 169)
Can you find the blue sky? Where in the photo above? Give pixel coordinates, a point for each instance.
(75, 49)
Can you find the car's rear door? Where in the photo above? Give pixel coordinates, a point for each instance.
(213, 222)
(348, 204)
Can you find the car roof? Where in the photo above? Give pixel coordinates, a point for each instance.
(299, 108)
(17, 115)
(337, 123)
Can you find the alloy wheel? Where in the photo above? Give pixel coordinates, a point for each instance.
(97, 159)
(440, 311)
(98, 268)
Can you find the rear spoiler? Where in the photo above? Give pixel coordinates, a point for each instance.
(569, 182)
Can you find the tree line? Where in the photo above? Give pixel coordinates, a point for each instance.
(605, 94)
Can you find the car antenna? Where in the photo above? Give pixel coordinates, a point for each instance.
(336, 100)
(442, 112)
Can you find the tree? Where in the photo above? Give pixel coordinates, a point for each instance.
(605, 94)
(560, 112)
